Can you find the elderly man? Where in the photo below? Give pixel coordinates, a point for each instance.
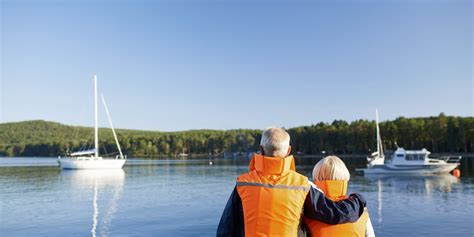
(270, 198)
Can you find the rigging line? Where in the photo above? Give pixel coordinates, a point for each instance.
(89, 145)
(90, 142)
(81, 148)
(112, 126)
(105, 149)
(85, 144)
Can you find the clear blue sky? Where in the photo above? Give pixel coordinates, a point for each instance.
(177, 65)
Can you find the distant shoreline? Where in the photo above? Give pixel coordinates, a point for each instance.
(438, 134)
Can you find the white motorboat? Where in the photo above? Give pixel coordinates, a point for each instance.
(90, 159)
(407, 161)
(413, 162)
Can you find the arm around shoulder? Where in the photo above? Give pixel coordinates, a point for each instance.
(318, 207)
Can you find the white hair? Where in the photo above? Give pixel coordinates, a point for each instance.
(275, 142)
(331, 168)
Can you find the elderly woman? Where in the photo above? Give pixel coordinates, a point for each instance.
(331, 176)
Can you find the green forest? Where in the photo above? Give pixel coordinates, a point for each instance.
(438, 134)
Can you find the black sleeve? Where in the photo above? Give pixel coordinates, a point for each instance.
(303, 230)
(319, 207)
(232, 219)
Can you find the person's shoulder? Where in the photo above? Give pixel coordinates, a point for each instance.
(298, 175)
(301, 179)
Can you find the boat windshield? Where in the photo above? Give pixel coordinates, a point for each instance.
(415, 157)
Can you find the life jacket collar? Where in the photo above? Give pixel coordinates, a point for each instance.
(334, 189)
(272, 165)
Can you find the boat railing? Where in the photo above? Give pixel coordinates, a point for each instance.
(451, 159)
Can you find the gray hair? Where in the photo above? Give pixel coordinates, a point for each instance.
(275, 142)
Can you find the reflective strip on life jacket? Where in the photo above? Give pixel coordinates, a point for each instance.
(278, 186)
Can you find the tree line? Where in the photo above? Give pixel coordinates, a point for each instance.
(438, 134)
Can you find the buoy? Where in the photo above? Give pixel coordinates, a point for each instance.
(210, 162)
(457, 173)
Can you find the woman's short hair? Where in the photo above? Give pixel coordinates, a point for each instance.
(330, 168)
(275, 142)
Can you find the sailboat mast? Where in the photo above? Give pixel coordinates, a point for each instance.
(96, 125)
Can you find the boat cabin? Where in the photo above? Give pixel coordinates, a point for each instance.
(412, 157)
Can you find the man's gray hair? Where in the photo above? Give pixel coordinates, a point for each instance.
(275, 142)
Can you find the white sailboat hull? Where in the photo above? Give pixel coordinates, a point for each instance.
(78, 164)
(410, 169)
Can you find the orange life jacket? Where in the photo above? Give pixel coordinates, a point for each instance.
(273, 196)
(336, 190)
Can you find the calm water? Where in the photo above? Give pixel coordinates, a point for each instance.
(186, 198)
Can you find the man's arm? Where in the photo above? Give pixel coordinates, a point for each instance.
(232, 219)
(318, 207)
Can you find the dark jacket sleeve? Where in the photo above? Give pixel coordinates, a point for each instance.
(318, 207)
(232, 219)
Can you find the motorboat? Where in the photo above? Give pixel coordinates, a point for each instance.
(412, 162)
(407, 161)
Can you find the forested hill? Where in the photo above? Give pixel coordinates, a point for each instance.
(437, 134)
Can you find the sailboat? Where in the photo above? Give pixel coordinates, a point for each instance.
(378, 157)
(90, 159)
(407, 161)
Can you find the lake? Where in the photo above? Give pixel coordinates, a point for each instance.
(186, 198)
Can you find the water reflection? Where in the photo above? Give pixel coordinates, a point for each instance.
(379, 200)
(107, 188)
(415, 184)
(388, 186)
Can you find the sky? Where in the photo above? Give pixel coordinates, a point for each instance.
(179, 65)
